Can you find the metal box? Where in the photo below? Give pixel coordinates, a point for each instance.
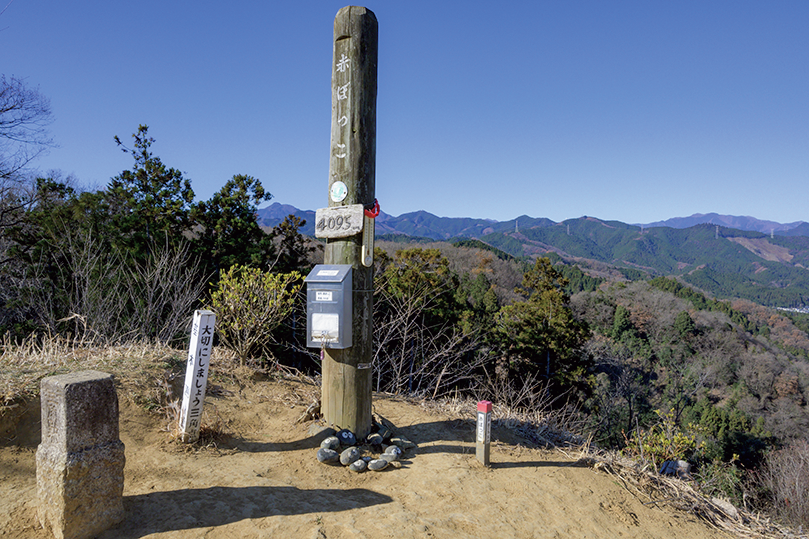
(329, 306)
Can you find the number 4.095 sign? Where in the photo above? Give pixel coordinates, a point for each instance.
(339, 221)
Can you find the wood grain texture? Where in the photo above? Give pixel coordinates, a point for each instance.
(346, 392)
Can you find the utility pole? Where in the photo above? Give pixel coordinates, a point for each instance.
(346, 390)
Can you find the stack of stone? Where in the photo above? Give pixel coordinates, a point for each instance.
(342, 448)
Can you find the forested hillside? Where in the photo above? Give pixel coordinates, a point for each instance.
(659, 343)
(724, 262)
(653, 366)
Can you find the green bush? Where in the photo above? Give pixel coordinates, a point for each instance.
(250, 304)
(663, 441)
(723, 480)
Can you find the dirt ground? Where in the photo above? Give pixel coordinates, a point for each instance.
(265, 481)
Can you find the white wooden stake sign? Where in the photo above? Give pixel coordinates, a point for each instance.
(484, 432)
(196, 374)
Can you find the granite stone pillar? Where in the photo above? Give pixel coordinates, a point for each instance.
(80, 462)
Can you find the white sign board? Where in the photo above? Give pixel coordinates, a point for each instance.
(325, 327)
(196, 374)
(339, 221)
(324, 295)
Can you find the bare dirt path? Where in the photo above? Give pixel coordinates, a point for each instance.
(266, 482)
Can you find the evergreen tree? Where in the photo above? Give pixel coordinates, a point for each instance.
(226, 230)
(540, 334)
(149, 202)
(293, 247)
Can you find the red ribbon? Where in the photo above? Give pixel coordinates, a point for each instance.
(373, 212)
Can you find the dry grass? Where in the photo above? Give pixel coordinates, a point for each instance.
(543, 426)
(785, 478)
(145, 371)
(658, 490)
(147, 374)
(22, 366)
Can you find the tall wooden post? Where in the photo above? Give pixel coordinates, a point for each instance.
(346, 392)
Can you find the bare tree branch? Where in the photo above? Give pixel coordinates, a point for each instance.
(24, 117)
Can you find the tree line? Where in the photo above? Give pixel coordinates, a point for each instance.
(642, 363)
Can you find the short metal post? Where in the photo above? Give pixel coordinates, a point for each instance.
(484, 432)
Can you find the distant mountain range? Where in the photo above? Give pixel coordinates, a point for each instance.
(798, 228)
(419, 223)
(427, 225)
(727, 256)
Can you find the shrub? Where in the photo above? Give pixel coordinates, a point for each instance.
(250, 304)
(663, 441)
(723, 480)
(784, 483)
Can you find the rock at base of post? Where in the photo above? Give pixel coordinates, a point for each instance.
(80, 492)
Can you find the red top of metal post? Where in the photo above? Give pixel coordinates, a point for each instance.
(484, 406)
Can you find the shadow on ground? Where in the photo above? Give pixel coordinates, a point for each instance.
(185, 509)
(457, 436)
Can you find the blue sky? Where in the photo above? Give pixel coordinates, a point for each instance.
(636, 111)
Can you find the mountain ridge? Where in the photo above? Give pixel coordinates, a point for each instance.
(769, 268)
(739, 222)
(425, 224)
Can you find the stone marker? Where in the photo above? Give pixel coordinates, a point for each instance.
(80, 462)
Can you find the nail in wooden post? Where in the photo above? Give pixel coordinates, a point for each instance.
(484, 432)
(346, 392)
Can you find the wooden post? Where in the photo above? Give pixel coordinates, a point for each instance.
(484, 432)
(346, 392)
(196, 374)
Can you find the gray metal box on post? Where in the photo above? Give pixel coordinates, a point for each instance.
(329, 308)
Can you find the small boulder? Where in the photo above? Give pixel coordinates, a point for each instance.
(726, 507)
(385, 432)
(680, 468)
(347, 438)
(377, 465)
(328, 456)
(392, 451)
(350, 455)
(319, 432)
(332, 442)
(375, 439)
(402, 442)
(358, 465)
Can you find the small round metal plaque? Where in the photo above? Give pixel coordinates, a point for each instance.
(338, 191)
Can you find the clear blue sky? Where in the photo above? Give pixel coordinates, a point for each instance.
(629, 110)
